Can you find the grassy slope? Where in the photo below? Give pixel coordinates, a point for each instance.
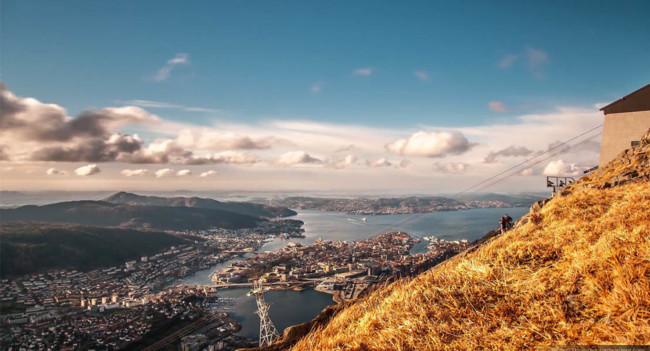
(578, 272)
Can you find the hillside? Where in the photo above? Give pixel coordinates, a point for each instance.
(406, 205)
(29, 247)
(245, 208)
(98, 213)
(576, 270)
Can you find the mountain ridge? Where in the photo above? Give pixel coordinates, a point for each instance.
(245, 208)
(100, 213)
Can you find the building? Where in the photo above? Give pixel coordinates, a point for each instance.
(626, 120)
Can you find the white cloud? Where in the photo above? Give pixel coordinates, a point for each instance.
(54, 171)
(87, 170)
(207, 173)
(164, 172)
(366, 71)
(380, 162)
(421, 75)
(211, 139)
(507, 60)
(165, 72)
(166, 105)
(134, 172)
(159, 151)
(510, 151)
(430, 144)
(296, 157)
(183, 173)
(535, 58)
(180, 59)
(561, 168)
(451, 168)
(497, 106)
(225, 157)
(529, 172)
(347, 161)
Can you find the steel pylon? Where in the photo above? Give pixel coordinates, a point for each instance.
(268, 332)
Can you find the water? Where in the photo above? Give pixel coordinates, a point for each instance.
(287, 308)
(449, 225)
(294, 307)
(204, 277)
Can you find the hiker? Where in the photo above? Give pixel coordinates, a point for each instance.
(508, 220)
(502, 223)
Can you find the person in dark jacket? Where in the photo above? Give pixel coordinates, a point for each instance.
(508, 221)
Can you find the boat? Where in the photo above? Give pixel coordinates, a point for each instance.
(364, 219)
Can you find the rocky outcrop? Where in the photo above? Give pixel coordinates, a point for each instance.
(631, 166)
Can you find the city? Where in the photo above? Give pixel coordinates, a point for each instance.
(324, 175)
(125, 307)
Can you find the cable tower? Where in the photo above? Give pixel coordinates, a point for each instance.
(268, 333)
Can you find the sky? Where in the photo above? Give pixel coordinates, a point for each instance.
(351, 96)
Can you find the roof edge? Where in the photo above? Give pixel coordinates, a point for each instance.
(625, 97)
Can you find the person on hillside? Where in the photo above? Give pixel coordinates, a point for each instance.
(502, 224)
(508, 220)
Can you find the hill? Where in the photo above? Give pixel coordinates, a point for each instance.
(30, 247)
(245, 208)
(404, 205)
(513, 200)
(99, 213)
(574, 271)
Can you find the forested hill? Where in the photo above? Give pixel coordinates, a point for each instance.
(246, 208)
(99, 213)
(31, 247)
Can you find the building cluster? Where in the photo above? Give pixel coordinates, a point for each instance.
(112, 307)
(386, 206)
(437, 248)
(118, 307)
(336, 265)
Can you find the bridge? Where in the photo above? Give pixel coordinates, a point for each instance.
(287, 283)
(248, 284)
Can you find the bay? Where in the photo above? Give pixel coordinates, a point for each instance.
(295, 307)
(448, 225)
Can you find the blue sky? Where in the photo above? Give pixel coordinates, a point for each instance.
(390, 65)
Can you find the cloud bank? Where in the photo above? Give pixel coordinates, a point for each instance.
(430, 144)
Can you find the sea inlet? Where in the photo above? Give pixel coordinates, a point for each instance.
(290, 307)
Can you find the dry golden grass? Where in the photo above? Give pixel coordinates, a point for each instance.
(577, 274)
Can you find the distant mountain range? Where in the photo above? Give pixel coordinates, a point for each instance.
(135, 211)
(30, 247)
(246, 208)
(101, 213)
(406, 205)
